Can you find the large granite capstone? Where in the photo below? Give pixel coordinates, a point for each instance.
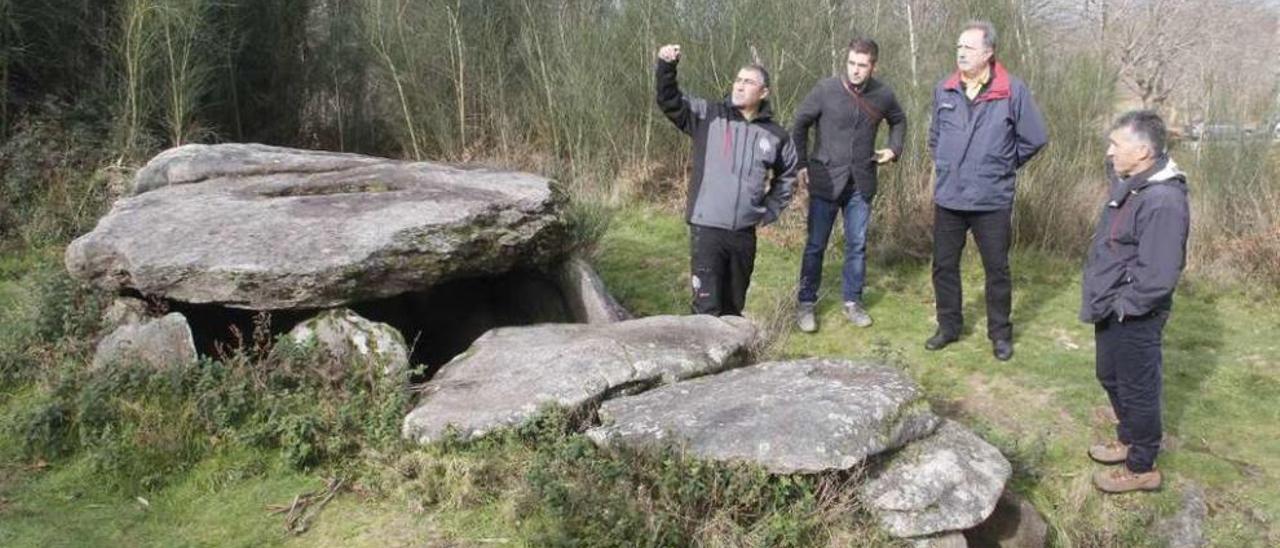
(269, 228)
(803, 416)
(510, 373)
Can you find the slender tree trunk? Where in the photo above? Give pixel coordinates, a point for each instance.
(176, 96)
(1027, 46)
(134, 46)
(6, 50)
(646, 62)
(383, 51)
(4, 98)
(460, 67)
(911, 37)
(546, 80)
(833, 8)
(875, 20)
(233, 83)
(1275, 107)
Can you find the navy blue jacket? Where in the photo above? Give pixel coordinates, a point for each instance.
(742, 169)
(978, 145)
(1139, 247)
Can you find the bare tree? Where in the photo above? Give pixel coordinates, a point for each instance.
(1147, 37)
(911, 36)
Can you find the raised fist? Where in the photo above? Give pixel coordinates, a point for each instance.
(669, 53)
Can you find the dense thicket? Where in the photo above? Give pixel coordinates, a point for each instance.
(564, 87)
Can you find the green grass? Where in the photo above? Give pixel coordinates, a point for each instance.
(1222, 373)
(1222, 384)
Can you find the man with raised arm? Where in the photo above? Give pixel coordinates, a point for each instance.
(743, 169)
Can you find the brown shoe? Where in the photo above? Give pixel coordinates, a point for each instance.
(1121, 480)
(1112, 452)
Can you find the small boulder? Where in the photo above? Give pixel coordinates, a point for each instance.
(161, 343)
(949, 481)
(124, 311)
(1015, 523)
(345, 338)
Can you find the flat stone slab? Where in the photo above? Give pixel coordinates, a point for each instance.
(803, 416)
(585, 293)
(510, 373)
(949, 481)
(269, 228)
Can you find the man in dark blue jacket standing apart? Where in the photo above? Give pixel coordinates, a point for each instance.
(743, 168)
(985, 126)
(1138, 252)
(841, 172)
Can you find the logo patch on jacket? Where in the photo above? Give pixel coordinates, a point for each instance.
(765, 148)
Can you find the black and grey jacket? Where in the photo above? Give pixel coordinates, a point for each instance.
(743, 170)
(1139, 247)
(847, 119)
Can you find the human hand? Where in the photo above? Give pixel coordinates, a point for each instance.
(669, 53)
(884, 156)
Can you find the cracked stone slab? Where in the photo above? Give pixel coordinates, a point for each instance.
(949, 481)
(268, 228)
(510, 373)
(802, 416)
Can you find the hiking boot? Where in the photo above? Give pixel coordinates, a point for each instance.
(857, 315)
(1112, 452)
(938, 341)
(805, 318)
(1121, 480)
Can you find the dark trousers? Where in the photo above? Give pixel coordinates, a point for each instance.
(721, 262)
(992, 230)
(1130, 368)
(856, 210)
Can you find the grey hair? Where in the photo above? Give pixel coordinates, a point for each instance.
(988, 29)
(759, 69)
(1147, 126)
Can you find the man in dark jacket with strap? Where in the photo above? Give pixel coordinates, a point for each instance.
(985, 126)
(1138, 252)
(841, 172)
(743, 169)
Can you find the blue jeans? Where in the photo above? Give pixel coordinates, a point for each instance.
(822, 217)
